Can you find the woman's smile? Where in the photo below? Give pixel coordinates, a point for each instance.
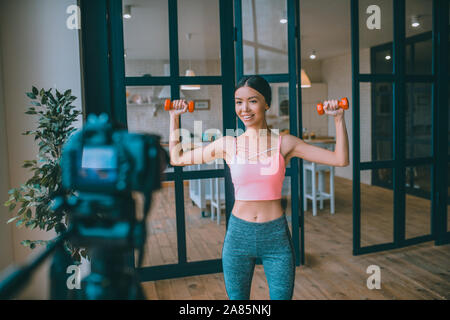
(248, 117)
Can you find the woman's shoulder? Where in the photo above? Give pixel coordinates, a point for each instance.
(288, 142)
(229, 139)
(228, 143)
(228, 147)
(288, 139)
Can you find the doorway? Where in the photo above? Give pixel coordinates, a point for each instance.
(169, 49)
(400, 72)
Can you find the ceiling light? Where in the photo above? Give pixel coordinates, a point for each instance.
(388, 57)
(190, 73)
(305, 82)
(283, 19)
(127, 12)
(415, 21)
(312, 56)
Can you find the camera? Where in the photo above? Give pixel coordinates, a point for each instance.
(114, 161)
(101, 167)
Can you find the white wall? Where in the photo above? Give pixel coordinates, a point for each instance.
(6, 248)
(313, 69)
(37, 49)
(337, 73)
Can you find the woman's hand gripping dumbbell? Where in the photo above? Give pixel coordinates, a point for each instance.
(178, 107)
(332, 107)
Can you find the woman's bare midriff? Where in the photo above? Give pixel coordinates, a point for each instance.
(258, 211)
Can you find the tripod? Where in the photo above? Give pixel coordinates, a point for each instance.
(111, 244)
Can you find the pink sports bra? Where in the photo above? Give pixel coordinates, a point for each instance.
(258, 181)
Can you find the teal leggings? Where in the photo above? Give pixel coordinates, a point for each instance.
(271, 242)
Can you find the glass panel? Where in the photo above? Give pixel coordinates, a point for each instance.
(161, 246)
(145, 112)
(418, 17)
(419, 57)
(205, 218)
(383, 59)
(199, 37)
(325, 33)
(264, 36)
(375, 29)
(448, 196)
(314, 125)
(249, 60)
(147, 25)
(204, 124)
(418, 201)
(419, 23)
(377, 210)
(376, 121)
(286, 201)
(277, 116)
(448, 118)
(418, 120)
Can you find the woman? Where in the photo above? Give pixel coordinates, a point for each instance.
(257, 227)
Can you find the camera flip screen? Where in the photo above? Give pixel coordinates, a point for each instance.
(98, 166)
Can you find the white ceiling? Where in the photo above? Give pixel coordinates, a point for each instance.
(325, 27)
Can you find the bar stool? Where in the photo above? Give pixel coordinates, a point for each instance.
(316, 191)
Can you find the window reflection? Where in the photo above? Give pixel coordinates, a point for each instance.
(199, 37)
(146, 114)
(372, 35)
(205, 218)
(147, 25)
(264, 36)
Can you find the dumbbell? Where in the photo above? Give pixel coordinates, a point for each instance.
(169, 105)
(343, 104)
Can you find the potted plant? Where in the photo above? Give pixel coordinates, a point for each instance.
(33, 199)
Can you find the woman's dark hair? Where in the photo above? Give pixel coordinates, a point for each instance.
(257, 83)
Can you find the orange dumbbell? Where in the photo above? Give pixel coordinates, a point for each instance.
(343, 104)
(169, 105)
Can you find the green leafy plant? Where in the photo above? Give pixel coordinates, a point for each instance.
(34, 198)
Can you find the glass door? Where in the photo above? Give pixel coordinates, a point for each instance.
(176, 49)
(266, 45)
(150, 51)
(396, 126)
(442, 132)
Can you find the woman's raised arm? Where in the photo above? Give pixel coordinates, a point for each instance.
(199, 155)
(338, 158)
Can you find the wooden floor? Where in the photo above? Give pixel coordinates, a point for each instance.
(330, 272)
